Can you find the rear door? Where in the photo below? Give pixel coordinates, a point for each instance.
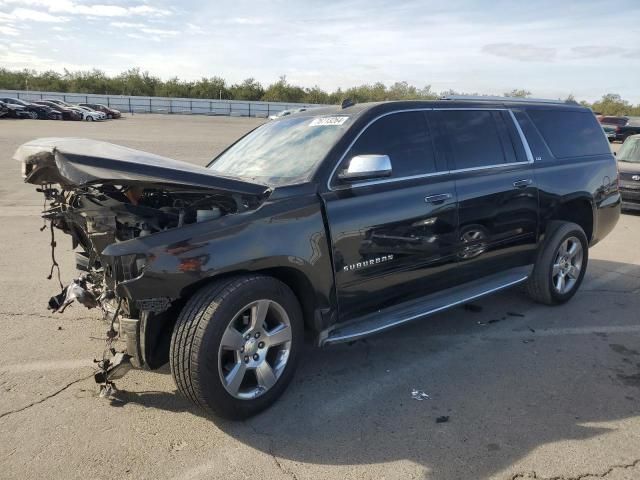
(496, 189)
(393, 238)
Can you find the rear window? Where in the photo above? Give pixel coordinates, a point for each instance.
(570, 133)
(614, 121)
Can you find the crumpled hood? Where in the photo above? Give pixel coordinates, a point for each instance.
(73, 162)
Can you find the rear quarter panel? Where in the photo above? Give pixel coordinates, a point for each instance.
(592, 179)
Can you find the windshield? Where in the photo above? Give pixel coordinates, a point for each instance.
(282, 151)
(630, 151)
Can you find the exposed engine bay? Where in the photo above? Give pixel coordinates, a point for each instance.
(97, 216)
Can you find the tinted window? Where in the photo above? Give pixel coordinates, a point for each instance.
(405, 138)
(474, 138)
(614, 121)
(570, 134)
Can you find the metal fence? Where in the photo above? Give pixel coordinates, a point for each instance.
(131, 104)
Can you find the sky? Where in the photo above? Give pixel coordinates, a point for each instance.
(551, 48)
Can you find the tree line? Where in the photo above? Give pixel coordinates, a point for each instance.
(141, 83)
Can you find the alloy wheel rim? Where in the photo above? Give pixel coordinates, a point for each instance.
(567, 265)
(254, 349)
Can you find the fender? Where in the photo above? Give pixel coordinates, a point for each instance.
(287, 231)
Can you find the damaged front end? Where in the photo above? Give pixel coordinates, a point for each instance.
(103, 195)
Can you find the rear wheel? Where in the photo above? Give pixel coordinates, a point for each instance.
(561, 264)
(235, 345)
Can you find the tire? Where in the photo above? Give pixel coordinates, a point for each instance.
(89, 119)
(206, 370)
(544, 285)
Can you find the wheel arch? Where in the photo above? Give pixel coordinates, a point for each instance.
(579, 210)
(157, 329)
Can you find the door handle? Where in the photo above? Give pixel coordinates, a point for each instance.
(437, 198)
(522, 183)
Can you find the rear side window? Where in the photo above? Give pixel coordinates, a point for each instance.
(570, 133)
(405, 138)
(475, 138)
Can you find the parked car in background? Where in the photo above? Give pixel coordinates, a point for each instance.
(624, 126)
(108, 111)
(286, 113)
(609, 131)
(43, 112)
(18, 111)
(71, 106)
(4, 111)
(60, 102)
(91, 115)
(629, 167)
(67, 113)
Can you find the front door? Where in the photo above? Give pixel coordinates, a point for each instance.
(393, 239)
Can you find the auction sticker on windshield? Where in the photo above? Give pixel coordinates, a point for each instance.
(327, 121)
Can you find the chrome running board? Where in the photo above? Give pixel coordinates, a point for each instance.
(405, 312)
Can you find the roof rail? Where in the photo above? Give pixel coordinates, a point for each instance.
(487, 98)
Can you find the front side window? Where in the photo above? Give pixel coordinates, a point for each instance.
(404, 137)
(474, 138)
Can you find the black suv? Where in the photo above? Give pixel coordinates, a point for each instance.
(624, 127)
(331, 224)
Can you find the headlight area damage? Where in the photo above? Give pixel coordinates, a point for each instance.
(103, 194)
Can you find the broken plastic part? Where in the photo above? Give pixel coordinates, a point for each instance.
(113, 369)
(419, 395)
(77, 290)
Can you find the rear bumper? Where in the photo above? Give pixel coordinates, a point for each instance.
(630, 199)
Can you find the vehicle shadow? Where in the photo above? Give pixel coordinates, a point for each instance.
(502, 379)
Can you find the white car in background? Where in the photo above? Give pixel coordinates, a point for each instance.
(90, 115)
(286, 113)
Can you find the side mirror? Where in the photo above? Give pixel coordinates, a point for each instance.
(363, 167)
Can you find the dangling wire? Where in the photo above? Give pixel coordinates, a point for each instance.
(54, 263)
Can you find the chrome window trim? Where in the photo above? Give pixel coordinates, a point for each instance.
(523, 139)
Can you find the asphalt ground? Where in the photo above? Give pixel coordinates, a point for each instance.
(528, 391)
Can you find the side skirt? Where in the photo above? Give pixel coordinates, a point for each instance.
(405, 312)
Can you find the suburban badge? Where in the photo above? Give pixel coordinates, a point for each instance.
(367, 263)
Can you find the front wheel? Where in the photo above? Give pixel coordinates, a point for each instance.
(235, 345)
(89, 119)
(561, 264)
